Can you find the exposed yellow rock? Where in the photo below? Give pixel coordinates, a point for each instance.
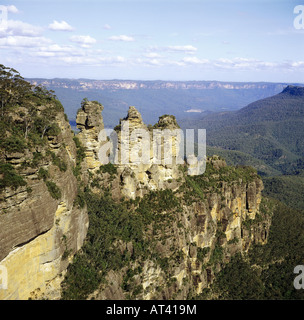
(39, 234)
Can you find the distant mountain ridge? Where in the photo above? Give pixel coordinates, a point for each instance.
(88, 84)
(152, 98)
(269, 129)
(264, 110)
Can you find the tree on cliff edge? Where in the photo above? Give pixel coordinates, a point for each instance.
(13, 88)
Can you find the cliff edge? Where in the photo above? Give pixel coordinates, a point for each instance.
(42, 224)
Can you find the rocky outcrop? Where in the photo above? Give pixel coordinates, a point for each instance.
(219, 213)
(152, 160)
(197, 225)
(90, 123)
(199, 239)
(40, 230)
(139, 153)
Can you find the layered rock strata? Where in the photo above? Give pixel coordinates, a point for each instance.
(220, 215)
(146, 158)
(40, 234)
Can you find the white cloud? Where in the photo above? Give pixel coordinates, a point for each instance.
(83, 41)
(194, 60)
(151, 62)
(244, 64)
(60, 26)
(93, 60)
(122, 38)
(187, 48)
(79, 60)
(152, 55)
(107, 27)
(240, 64)
(58, 51)
(297, 64)
(12, 9)
(21, 41)
(45, 54)
(19, 28)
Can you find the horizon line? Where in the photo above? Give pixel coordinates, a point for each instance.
(158, 80)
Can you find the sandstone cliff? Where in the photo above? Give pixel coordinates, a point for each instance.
(155, 231)
(41, 225)
(140, 174)
(190, 226)
(192, 236)
(90, 123)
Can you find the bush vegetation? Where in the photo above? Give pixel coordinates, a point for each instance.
(266, 271)
(80, 155)
(54, 190)
(9, 177)
(126, 221)
(36, 108)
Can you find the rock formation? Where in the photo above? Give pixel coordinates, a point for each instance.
(41, 232)
(90, 123)
(140, 151)
(199, 239)
(199, 223)
(219, 215)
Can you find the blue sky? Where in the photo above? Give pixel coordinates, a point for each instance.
(154, 39)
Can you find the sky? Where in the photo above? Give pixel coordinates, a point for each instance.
(240, 40)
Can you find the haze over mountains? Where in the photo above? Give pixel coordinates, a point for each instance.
(269, 130)
(248, 123)
(251, 123)
(184, 99)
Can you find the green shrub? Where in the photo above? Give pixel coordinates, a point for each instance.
(80, 199)
(43, 174)
(80, 155)
(58, 162)
(201, 253)
(217, 254)
(108, 168)
(37, 157)
(54, 130)
(54, 190)
(9, 177)
(13, 144)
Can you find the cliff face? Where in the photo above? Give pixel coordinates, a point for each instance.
(190, 244)
(143, 169)
(41, 226)
(147, 168)
(189, 226)
(198, 222)
(138, 85)
(156, 232)
(90, 123)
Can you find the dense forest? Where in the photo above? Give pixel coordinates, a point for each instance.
(265, 272)
(268, 130)
(268, 135)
